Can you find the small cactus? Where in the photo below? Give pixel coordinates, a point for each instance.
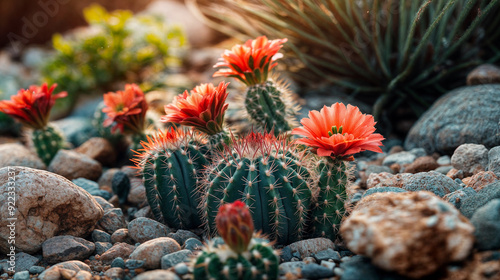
(242, 256)
(263, 172)
(47, 142)
(170, 167)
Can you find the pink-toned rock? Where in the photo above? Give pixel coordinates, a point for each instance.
(385, 179)
(481, 179)
(311, 246)
(470, 158)
(422, 164)
(151, 251)
(484, 74)
(72, 165)
(455, 174)
(122, 250)
(412, 233)
(98, 149)
(60, 270)
(47, 205)
(15, 154)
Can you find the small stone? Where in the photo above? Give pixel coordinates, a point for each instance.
(118, 262)
(470, 158)
(328, 264)
(455, 174)
(22, 275)
(286, 254)
(122, 250)
(134, 264)
(137, 194)
(486, 220)
(482, 197)
(101, 247)
(144, 229)
(92, 188)
(170, 260)
(100, 236)
(36, 269)
(456, 197)
(311, 246)
(14, 154)
(65, 248)
(400, 158)
(292, 267)
(98, 149)
(193, 244)
(328, 254)
(484, 74)
(444, 160)
(315, 271)
(72, 165)
(413, 233)
(481, 179)
(121, 235)
(115, 273)
(181, 268)
(83, 275)
(144, 212)
(112, 220)
(105, 205)
(152, 251)
(444, 169)
(121, 186)
(422, 164)
(157, 274)
(182, 235)
(25, 261)
(494, 160)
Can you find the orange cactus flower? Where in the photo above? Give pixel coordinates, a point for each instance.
(32, 106)
(339, 132)
(203, 108)
(126, 109)
(235, 225)
(252, 61)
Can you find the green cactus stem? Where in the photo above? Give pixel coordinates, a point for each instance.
(47, 142)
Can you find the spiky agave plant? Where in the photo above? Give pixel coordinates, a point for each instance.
(270, 176)
(335, 134)
(389, 52)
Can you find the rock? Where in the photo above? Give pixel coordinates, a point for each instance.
(76, 130)
(481, 179)
(112, 220)
(418, 152)
(25, 261)
(82, 275)
(422, 164)
(439, 129)
(377, 169)
(36, 269)
(151, 251)
(170, 260)
(65, 248)
(473, 202)
(400, 158)
(121, 186)
(294, 268)
(118, 262)
(100, 236)
(144, 229)
(22, 275)
(444, 160)
(486, 220)
(73, 165)
(48, 205)
(470, 158)
(181, 269)
(456, 197)
(122, 250)
(328, 254)
(193, 244)
(286, 254)
(182, 235)
(121, 235)
(157, 274)
(134, 264)
(444, 169)
(107, 177)
(311, 246)
(137, 195)
(55, 270)
(101, 247)
(14, 154)
(359, 267)
(115, 273)
(144, 212)
(105, 205)
(91, 187)
(494, 160)
(316, 271)
(382, 190)
(98, 149)
(484, 74)
(413, 233)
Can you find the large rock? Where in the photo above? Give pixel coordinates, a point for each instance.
(152, 251)
(14, 154)
(440, 130)
(47, 205)
(73, 165)
(486, 220)
(470, 158)
(412, 233)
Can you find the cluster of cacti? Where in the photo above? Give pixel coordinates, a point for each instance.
(242, 256)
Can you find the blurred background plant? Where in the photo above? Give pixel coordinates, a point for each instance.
(391, 54)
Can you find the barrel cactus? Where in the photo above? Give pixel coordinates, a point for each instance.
(335, 134)
(47, 142)
(264, 172)
(170, 163)
(242, 256)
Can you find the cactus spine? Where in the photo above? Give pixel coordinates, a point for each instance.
(170, 167)
(329, 208)
(47, 142)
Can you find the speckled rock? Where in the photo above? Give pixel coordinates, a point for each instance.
(311, 246)
(144, 229)
(121, 235)
(157, 274)
(421, 164)
(100, 236)
(294, 268)
(170, 260)
(73, 165)
(486, 220)
(411, 233)
(182, 235)
(359, 267)
(484, 74)
(112, 220)
(65, 248)
(494, 160)
(105, 205)
(481, 179)
(25, 261)
(473, 202)
(456, 197)
(98, 149)
(137, 193)
(55, 270)
(400, 158)
(151, 251)
(144, 212)
(122, 250)
(470, 158)
(49, 205)
(439, 129)
(101, 247)
(14, 154)
(115, 273)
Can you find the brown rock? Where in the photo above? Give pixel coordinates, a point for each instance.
(311, 246)
(121, 236)
(422, 164)
(83, 275)
(137, 193)
(483, 266)
(151, 251)
(122, 250)
(48, 205)
(481, 179)
(385, 179)
(455, 174)
(484, 74)
(55, 272)
(470, 158)
(412, 233)
(115, 273)
(395, 167)
(73, 165)
(98, 149)
(17, 155)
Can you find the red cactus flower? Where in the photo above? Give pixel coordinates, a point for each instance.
(251, 62)
(32, 106)
(126, 109)
(339, 132)
(235, 225)
(203, 109)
